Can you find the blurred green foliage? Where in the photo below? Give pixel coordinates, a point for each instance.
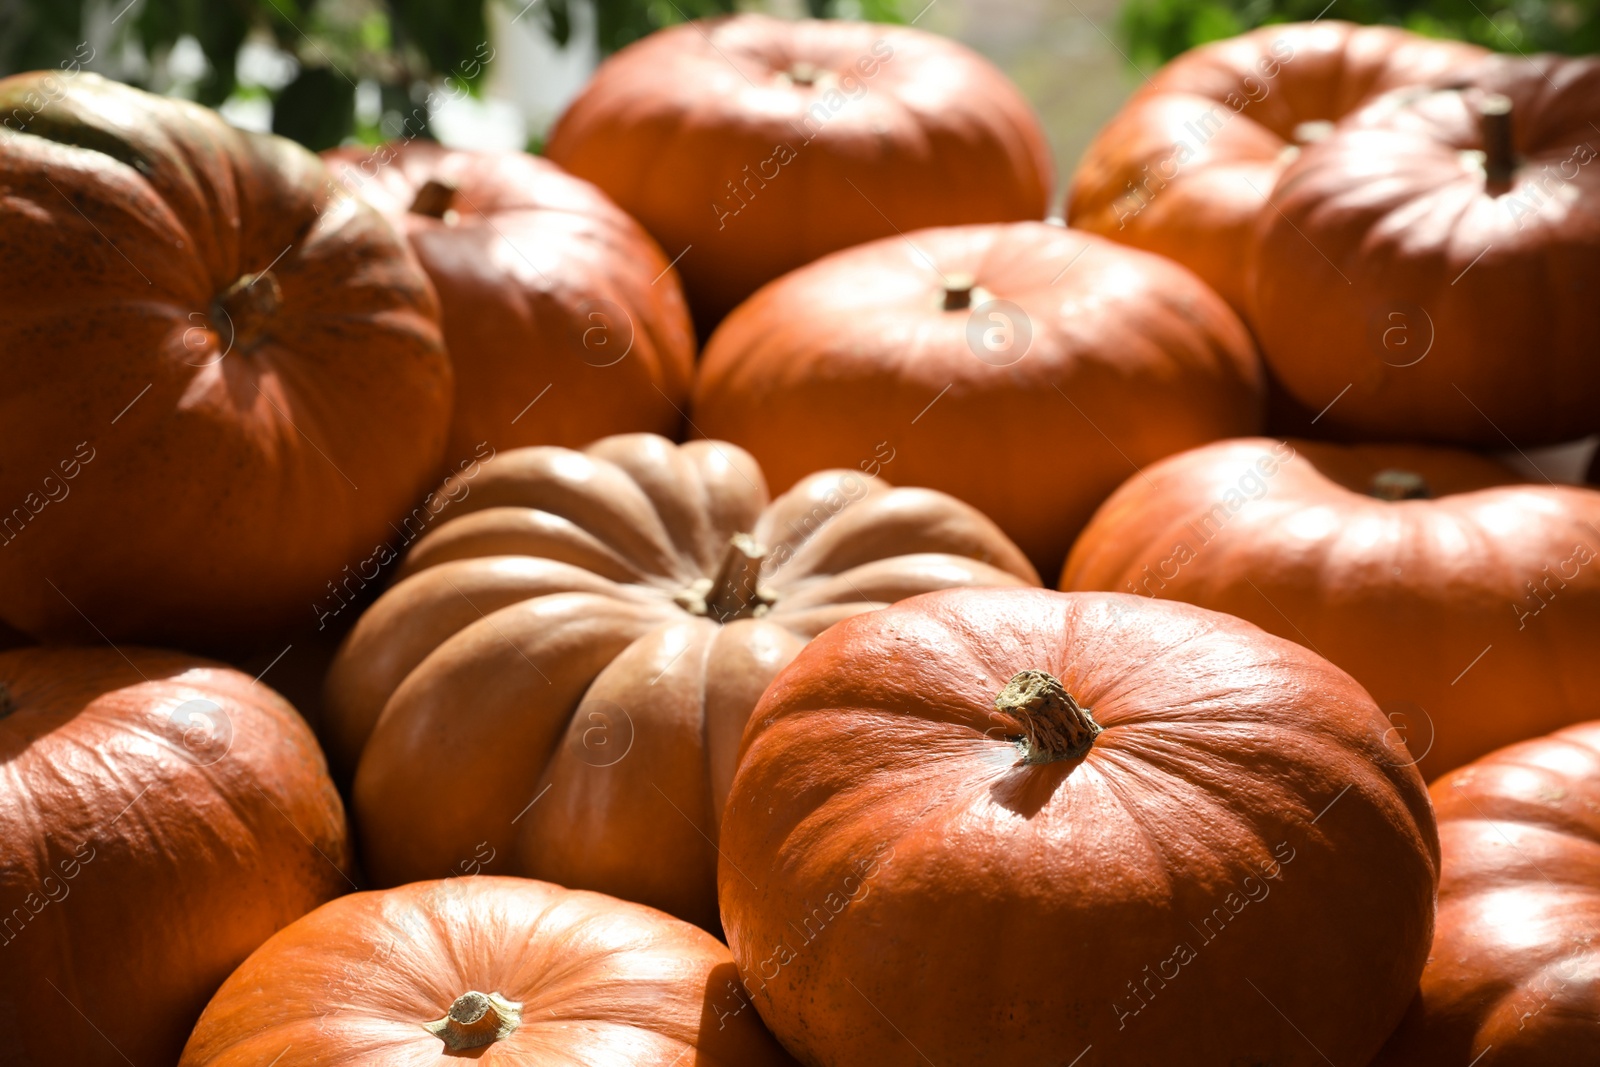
(395, 53)
(1157, 30)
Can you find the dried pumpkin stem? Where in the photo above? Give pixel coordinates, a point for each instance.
(476, 1019)
(736, 590)
(1054, 725)
(248, 305)
(434, 198)
(1394, 484)
(958, 292)
(1499, 155)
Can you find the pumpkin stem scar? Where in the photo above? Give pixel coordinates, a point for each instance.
(476, 1019)
(249, 305)
(736, 591)
(1499, 155)
(1393, 484)
(434, 198)
(1055, 726)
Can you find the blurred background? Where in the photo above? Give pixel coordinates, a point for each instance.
(496, 74)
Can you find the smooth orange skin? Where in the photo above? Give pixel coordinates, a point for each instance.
(521, 270)
(1238, 125)
(228, 483)
(1452, 312)
(1131, 358)
(1000, 911)
(530, 699)
(600, 982)
(913, 130)
(1406, 595)
(1511, 980)
(147, 850)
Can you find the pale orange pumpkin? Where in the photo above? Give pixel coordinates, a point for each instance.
(557, 686)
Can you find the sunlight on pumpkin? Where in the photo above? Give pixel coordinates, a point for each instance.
(1514, 923)
(1313, 524)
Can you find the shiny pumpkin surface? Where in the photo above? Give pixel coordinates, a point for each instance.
(160, 817)
(223, 380)
(1512, 979)
(565, 322)
(598, 982)
(1452, 307)
(1235, 870)
(1471, 617)
(751, 145)
(552, 689)
(1076, 362)
(1189, 163)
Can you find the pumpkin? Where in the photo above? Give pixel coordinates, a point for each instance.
(1511, 981)
(1026, 369)
(503, 971)
(750, 145)
(564, 321)
(1188, 165)
(225, 383)
(1008, 825)
(557, 686)
(1428, 271)
(160, 817)
(1466, 602)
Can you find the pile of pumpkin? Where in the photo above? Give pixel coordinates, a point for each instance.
(394, 431)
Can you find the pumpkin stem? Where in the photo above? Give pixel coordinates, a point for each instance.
(249, 305)
(803, 74)
(1054, 725)
(434, 198)
(476, 1019)
(1392, 484)
(1499, 157)
(735, 592)
(958, 292)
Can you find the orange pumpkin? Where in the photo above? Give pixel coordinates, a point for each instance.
(160, 817)
(1466, 603)
(1006, 826)
(557, 686)
(1188, 165)
(500, 971)
(1429, 269)
(564, 320)
(750, 145)
(1026, 369)
(225, 383)
(1511, 979)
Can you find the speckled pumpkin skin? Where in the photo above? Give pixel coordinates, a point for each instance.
(222, 378)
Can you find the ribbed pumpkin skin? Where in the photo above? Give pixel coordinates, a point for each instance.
(541, 696)
(148, 844)
(701, 133)
(600, 982)
(196, 475)
(1128, 358)
(1511, 981)
(1453, 312)
(1187, 166)
(899, 887)
(1471, 618)
(549, 293)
